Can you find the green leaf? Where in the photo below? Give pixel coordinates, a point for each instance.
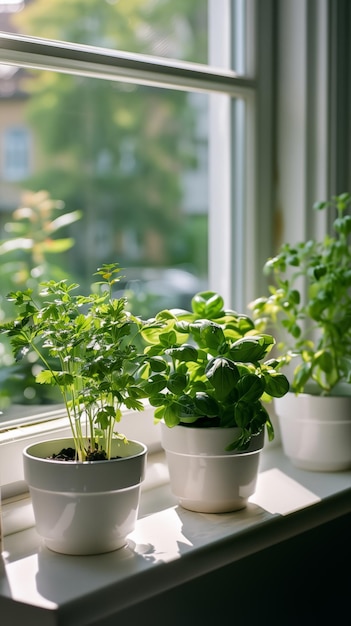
(292, 328)
(155, 384)
(158, 400)
(133, 403)
(316, 308)
(170, 415)
(56, 246)
(319, 206)
(185, 407)
(319, 271)
(302, 374)
(251, 349)
(345, 367)
(184, 353)
(270, 429)
(19, 297)
(159, 413)
(212, 336)
(206, 405)
(157, 364)
(277, 385)
(245, 324)
(324, 359)
(48, 377)
(243, 414)
(343, 225)
(241, 443)
(160, 333)
(20, 351)
(251, 388)
(177, 383)
(223, 375)
(207, 304)
(168, 338)
(103, 417)
(293, 260)
(294, 296)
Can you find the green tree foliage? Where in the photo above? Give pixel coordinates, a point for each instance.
(117, 151)
(34, 251)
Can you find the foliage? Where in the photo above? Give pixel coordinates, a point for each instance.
(31, 245)
(91, 339)
(29, 255)
(116, 148)
(138, 25)
(205, 368)
(313, 317)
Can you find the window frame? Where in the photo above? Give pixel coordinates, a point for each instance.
(234, 243)
(287, 171)
(216, 79)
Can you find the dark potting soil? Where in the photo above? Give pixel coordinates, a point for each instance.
(69, 454)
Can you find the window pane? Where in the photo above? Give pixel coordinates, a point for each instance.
(93, 171)
(158, 27)
(132, 160)
(16, 153)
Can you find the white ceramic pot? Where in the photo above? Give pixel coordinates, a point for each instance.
(316, 431)
(203, 476)
(85, 508)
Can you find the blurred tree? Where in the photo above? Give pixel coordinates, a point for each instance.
(117, 151)
(32, 253)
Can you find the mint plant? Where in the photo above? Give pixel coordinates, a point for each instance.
(90, 339)
(206, 367)
(309, 304)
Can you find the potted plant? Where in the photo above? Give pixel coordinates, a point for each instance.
(206, 377)
(86, 345)
(308, 309)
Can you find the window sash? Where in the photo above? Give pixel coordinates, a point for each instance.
(228, 249)
(37, 53)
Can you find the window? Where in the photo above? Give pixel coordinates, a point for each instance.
(154, 157)
(199, 158)
(16, 154)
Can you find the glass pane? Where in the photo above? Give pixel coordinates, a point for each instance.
(158, 27)
(127, 167)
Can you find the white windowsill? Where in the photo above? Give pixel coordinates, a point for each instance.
(168, 547)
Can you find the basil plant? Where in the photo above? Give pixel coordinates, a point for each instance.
(206, 367)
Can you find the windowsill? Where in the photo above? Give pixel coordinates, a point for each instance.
(168, 547)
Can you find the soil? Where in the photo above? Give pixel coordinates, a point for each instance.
(69, 454)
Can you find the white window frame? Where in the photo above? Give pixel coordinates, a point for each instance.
(217, 80)
(245, 199)
(223, 85)
(228, 249)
